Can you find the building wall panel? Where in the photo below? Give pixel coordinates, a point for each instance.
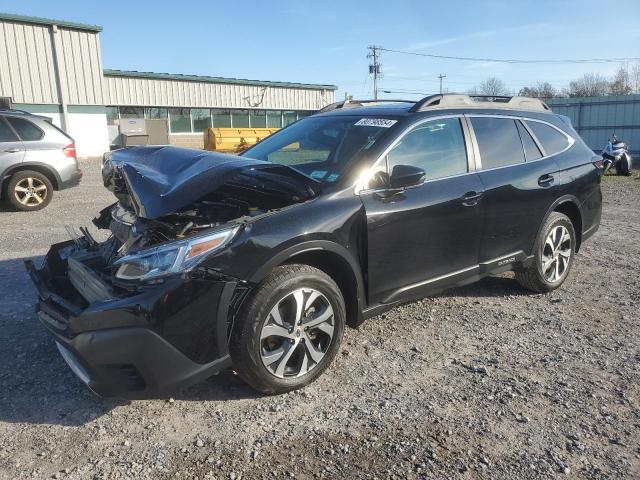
(121, 90)
(596, 118)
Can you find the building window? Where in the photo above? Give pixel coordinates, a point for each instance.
(131, 112)
(258, 118)
(179, 120)
(154, 113)
(240, 118)
(289, 117)
(303, 113)
(274, 119)
(201, 119)
(221, 118)
(112, 115)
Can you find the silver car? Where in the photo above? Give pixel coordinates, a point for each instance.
(36, 158)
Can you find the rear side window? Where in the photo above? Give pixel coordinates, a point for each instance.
(531, 150)
(437, 147)
(6, 135)
(551, 139)
(27, 131)
(498, 141)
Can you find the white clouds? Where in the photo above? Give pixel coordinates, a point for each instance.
(474, 35)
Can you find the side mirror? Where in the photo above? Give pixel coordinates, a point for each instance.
(406, 176)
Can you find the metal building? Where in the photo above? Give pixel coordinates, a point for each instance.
(54, 68)
(597, 118)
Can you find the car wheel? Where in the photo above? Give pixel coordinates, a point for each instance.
(554, 251)
(289, 331)
(28, 190)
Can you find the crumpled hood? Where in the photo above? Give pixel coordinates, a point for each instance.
(162, 180)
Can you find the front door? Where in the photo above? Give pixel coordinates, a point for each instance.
(430, 230)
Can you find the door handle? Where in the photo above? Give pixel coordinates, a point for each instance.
(13, 150)
(470, 199)
(546, 180)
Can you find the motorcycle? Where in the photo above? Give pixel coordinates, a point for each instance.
(616, 154)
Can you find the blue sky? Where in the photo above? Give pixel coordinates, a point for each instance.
(326, 41)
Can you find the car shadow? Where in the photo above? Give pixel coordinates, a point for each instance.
(502, 285)
(36, 386)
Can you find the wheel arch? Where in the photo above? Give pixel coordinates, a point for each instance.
(568, 205)
(333, 259)
(42, 168)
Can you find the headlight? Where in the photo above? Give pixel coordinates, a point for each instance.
(175, 257)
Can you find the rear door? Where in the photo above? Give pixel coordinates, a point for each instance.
(421, 233)
(11, 148)
(519, 183)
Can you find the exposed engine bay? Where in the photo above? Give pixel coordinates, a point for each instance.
(168, 194)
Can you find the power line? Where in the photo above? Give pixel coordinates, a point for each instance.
(513, 60)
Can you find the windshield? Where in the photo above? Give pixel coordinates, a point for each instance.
(321, 147)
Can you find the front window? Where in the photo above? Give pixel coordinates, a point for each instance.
(321, 147)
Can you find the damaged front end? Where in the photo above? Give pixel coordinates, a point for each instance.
(142, 312)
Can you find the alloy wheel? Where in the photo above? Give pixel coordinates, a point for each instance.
(297, 333)
(556, 254)
(30, 191)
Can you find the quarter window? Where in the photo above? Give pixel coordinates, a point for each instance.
(437, 147)
(498, 141)
(6, 135)
(531, 150)
(551, 139)
(26, 130)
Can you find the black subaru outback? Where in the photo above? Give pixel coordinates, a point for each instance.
(258, 262)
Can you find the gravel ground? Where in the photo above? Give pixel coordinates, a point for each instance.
(486, 381)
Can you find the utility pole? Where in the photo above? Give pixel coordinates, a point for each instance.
(375, 68)
(441, 76)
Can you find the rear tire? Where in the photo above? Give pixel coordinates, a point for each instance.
(553, 257)
(289, 331)
(28, 191)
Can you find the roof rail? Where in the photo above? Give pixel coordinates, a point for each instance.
(454, 100)
(13, 110)
(357, 103)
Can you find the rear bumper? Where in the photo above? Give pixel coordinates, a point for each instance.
(72, 181)
(139, 346)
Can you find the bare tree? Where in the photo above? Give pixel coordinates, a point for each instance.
(541, 90)
(634, 77)
(493, 87)
(621, 82)
(589, 85)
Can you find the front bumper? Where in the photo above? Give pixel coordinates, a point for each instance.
(138, 345)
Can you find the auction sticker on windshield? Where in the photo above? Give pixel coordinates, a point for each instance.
(375, 122)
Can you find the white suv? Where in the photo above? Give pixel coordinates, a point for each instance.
(36, 158)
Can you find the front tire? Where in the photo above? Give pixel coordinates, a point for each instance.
(554, 251)
(289, 331)
(28, 190)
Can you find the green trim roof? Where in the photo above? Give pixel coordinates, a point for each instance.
(47, 21)
(206, 79)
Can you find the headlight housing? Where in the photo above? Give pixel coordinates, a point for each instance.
(174, 257)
